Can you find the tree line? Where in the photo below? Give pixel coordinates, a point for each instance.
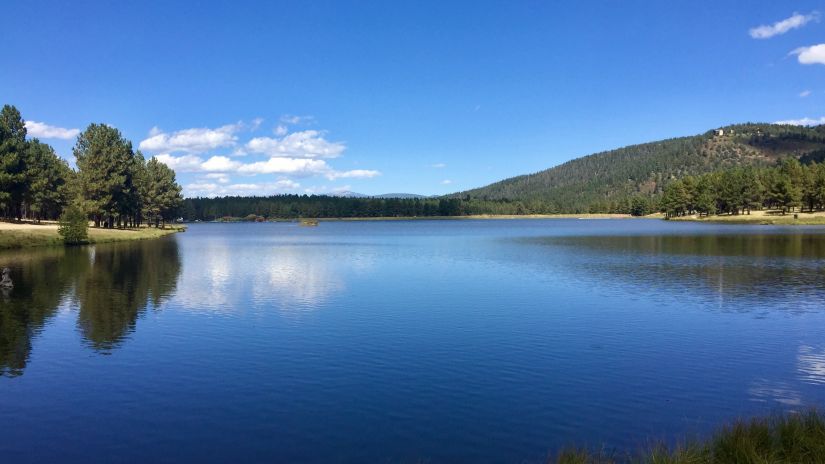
(113, 184)
(786, 187)
(325, 206)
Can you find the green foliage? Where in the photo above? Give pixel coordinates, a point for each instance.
(740, 190)
(113, 184)
(74, 226)
(160, 192)
(781, 439)
(605, 181)
(105, 161)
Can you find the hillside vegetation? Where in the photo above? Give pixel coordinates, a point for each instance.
(607, 181)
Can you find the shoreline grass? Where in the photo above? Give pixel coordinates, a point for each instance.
(780, 438)
(26, 235)
(761, 218)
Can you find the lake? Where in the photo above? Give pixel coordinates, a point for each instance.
(406, 341)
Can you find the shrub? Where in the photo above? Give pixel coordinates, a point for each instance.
(74, 226)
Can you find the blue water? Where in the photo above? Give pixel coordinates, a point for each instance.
(406, 341)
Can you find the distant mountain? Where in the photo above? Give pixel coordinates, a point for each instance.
(349, 194)
(399, 195)
(616, 175)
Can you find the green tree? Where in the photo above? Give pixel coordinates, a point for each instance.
(12, 161)
(675, 199)
(47, 177)
(106, 173)
(162, 194)
(74, 226)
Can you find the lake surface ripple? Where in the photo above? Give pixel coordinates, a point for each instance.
(406, 341)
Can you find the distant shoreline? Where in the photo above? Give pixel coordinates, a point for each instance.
(26, 235)
(761, 218)
(448, 218)
(482, 216)
(755, 218)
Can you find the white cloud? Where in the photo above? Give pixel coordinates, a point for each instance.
(209, 189)
(303, 144)
(256, 123)
(780, 27)
(354, 174)
(803, 121)
(292, 119)
(291, 166)
(219, 177)
(815, 54)
(281, 130)
(184, 163)
(220, 164)
(44, 131)
(438, 165)
(446, 182)
(197, 140)
(804, 93)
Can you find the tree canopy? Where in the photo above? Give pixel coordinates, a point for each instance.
(113, 185)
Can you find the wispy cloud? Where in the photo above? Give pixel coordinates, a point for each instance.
(196, 140)
(815, 54)
(804, 93)
(446, 182)
(297, 167)
(303, 144)
(293, 119)
(211, 189)
(803, 121)
(44, 131)
(781, 27)
(353, 174)
(438, 165)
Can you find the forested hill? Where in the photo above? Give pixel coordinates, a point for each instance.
(605, 181)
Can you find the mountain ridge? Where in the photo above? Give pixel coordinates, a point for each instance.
(594, 181)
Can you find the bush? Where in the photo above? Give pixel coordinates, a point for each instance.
(74, 226)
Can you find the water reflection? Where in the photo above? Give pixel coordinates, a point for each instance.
(109, 284)
(294, 279)
(39, 286)
(120, 282)
(785, 245)
(811, 365)
(784, 269)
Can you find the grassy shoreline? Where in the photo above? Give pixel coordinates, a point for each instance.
(26, 235)
(782, 438)
(761, 218)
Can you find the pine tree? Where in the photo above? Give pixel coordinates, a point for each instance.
(12, 161)
(105, 163)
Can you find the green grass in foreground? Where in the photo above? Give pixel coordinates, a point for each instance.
(48, 236)
(780, 439)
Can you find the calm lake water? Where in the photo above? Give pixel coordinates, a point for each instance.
(433, 341)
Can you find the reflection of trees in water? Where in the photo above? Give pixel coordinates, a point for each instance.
(768, 267)
(41, 280)
(112, 284)
(119, 284)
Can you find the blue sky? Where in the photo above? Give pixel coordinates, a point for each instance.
(423, 97)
